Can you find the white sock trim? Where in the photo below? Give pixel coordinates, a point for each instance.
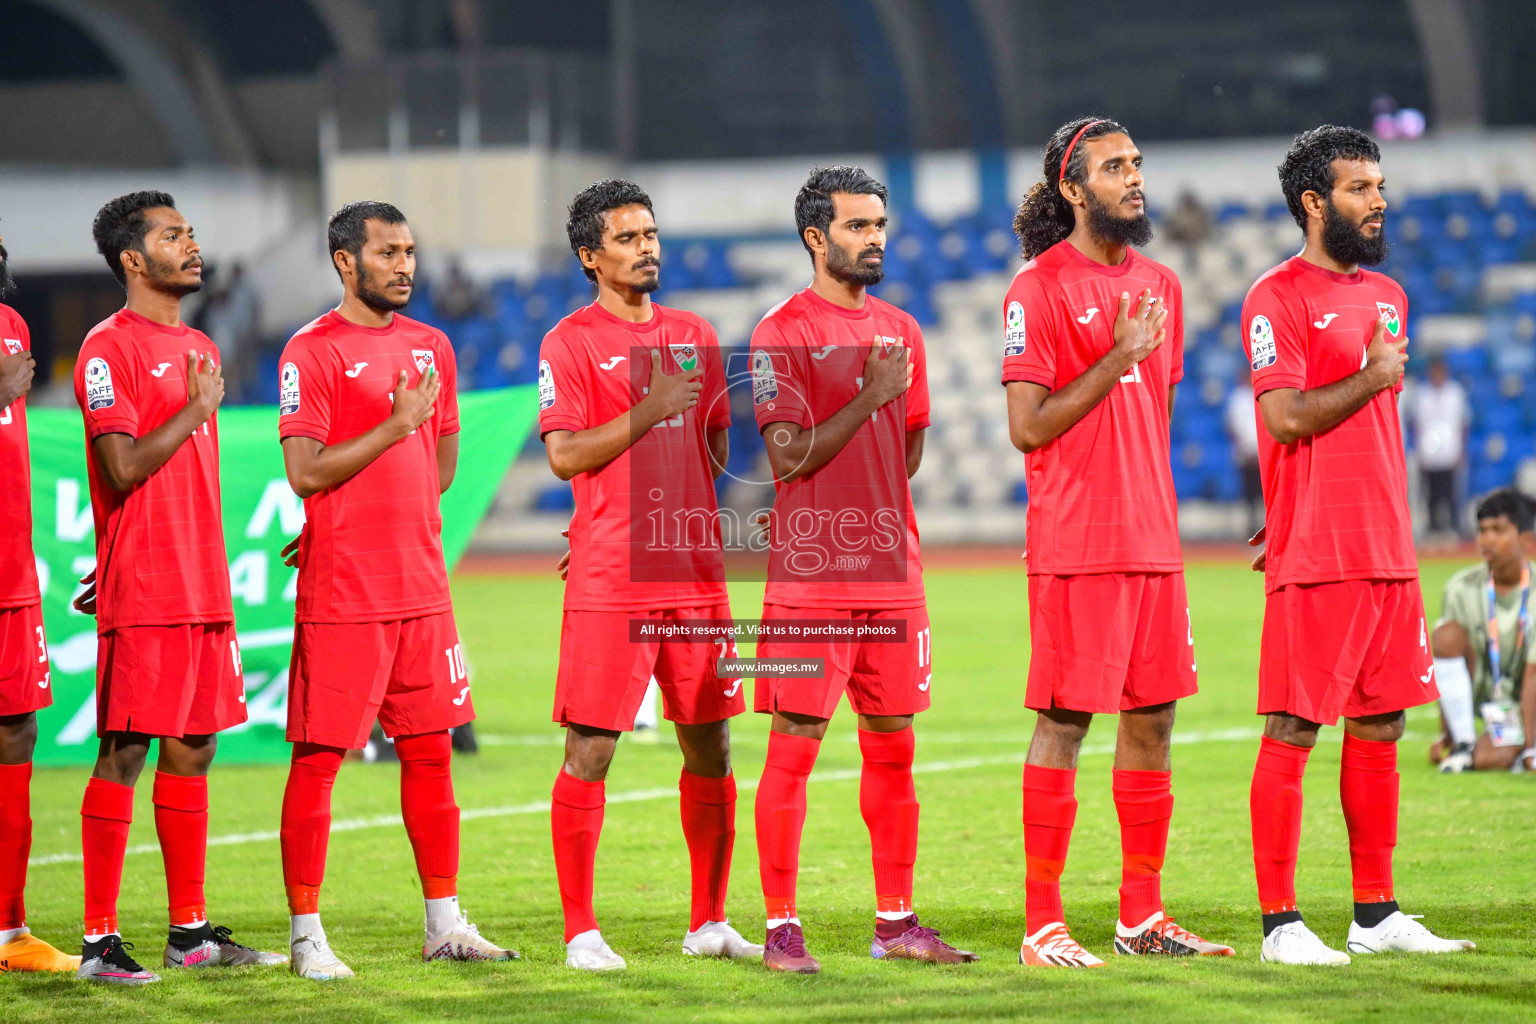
(301, 925)
(1456, 698)
(779, 922)
(442, 914)
(12, 934)
(894, 915)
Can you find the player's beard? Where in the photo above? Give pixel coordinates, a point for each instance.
(376, 301)
(1104, 223)
(650, 282)
(1346, 243)
(851, 268)
(159, 277)
(7, 282)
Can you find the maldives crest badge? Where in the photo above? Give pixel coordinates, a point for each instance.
(686, 356)
(1389, 317)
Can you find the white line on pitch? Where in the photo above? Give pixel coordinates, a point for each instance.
(658, 793)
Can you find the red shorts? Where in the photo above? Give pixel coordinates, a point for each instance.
(604, 673)
(1109, 642)
(408, 673)
(881, 677)
(1353, 648)
(182, 680)
(24, 678)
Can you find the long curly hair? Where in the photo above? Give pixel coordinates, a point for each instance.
(1044, 216)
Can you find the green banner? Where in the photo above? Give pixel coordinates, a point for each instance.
(261, 514)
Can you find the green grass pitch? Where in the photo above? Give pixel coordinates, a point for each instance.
(1465, 860)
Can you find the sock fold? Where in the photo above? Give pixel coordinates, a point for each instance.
(430, 813)
(106, 811)
(306, 823)
(708, 810)
(1274, 806)
(1050, 811)
(576, 823)
(15, 842)
(1144, 805)
(888, 803)
(181, 825)
(780, 815)
(1368, 789)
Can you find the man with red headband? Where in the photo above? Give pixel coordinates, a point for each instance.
(1093, 348)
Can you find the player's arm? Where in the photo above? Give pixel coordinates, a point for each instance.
(719, 450)
(914, 451)
(1172, 390)
(795, 451)
(572, 452)
(1037, 415)
(313, 466)
(1291, 414)
(15, 376)
(447, 460)
(127, 461)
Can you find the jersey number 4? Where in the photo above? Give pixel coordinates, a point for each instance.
(1132, 376)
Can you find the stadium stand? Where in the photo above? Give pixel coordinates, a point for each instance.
(1467, 261)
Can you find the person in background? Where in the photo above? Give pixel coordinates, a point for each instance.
(232, 318)
(459, 298)
(1440, 418)
(1190, 223)
(1244, 431)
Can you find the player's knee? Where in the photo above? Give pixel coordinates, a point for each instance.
(706, 749)
(1298, 732)
(432, 748)
(18, 738)
(589, 752)
(1386, 728)
(1449, 640)
(189, 755)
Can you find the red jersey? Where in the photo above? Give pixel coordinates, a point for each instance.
(646, 533)
(18, 569)
(372, 548)
(1336, 503)
(1101, 495)
(160, 547)
(844, 536)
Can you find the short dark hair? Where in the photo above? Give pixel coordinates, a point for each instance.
(121, 225)
(1308, 164)
(813, 204)
(1510, 503)
(1044, 216)
(587, 215)
(347, 229)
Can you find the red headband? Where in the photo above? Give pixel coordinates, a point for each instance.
(1073, 145)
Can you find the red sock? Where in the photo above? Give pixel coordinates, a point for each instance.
(430, 813)
(15, 842)
(1274, 805)
(709, 824)
(105, 814)
(181, 824)
(306, 827)
(780, 815)
(576, 822)
(1144, 804)
(1368, 784)
(1050, 810)
(888, 801)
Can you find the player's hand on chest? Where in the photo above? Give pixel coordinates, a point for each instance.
(1339, 334)
(367, 380)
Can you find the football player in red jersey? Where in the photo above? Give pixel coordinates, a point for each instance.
(1093, 348)
(1344, 631)
(24, 674)
(840, 394)
(368, 414)
(633, 411)
(167, 665)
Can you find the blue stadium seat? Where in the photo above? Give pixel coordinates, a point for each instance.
(555, 498)
(1020, 495)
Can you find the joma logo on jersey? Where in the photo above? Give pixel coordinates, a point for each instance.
(686, 356)
(423, 357)
(1388, 312)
